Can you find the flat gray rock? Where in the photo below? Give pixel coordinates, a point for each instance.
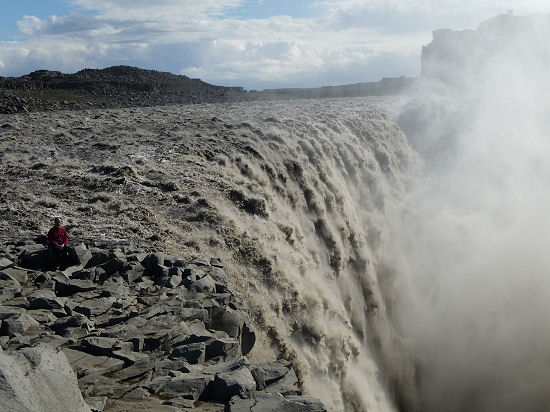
(5, 263)
(38, 379)
(192, 352)
(7, 312)
(228, 366)
(19, 274)
(94, 307)
(139, 368)
(21, 323)
(187, 387)
(288, 384)
(226, 385)
(222, 347)
(9, 288)
(98, 345)
(45, 299)
(275, 402)
(71, 286)
(85, 364)
(269, 373)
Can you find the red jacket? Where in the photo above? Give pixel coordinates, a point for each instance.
(58, 236)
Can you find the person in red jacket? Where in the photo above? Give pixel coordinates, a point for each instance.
(58, 238)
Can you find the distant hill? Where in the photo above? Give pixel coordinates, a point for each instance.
(117, 86)
(125, 86)
(385, 87)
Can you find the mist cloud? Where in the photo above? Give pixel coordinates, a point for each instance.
(473, 241)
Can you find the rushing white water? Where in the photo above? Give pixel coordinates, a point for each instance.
(327, 169)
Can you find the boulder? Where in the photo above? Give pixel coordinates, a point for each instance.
(154, 263)
(248, 339)
(216, 262)
(138, 368)
(288, 384)
(267, 373)
(82, 254)
(191, 352)
(68, 287)
(204, 284)
(135, 272)
(18, 324)
(5, 263)
(45, 299)
(226, 385)
(275, 402)
(188, 386)
(20, 275)
(223, 348)
(34, 259)
(9, 288)
(38, 379)
(85, 364)
(99, 256)
(75, 321)
(223, 367)
(200, 262)
(94, 307)
(97, 345)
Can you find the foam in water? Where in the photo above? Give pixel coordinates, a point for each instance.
(328, 169)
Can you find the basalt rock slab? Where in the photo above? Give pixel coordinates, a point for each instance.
(68, 287)
(85, 364)
(19, 274)
(18, 324)
(187, 386)
(287, 385)
(94, 307)
(143, 331)
(191, 352)
(5, 263)
(97, 345)
(224, 348)
(266, 374)
(38, 379)
(46, 299)
(275, 402)
(226, 385)
(136, 370)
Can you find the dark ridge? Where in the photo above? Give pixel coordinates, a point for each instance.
(117, 86)
(125, 86)
(386, 87)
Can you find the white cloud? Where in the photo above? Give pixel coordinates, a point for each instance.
(160, 9)
(351, 41)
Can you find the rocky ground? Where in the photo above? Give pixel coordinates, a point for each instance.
(140, 332)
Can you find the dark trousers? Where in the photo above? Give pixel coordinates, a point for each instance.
(60, 256)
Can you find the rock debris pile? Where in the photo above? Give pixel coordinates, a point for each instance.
(134, 331)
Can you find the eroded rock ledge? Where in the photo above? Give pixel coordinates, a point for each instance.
(140, 331)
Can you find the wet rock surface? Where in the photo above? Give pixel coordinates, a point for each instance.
(156, 340)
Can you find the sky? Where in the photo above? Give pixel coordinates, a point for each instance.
(255, 44)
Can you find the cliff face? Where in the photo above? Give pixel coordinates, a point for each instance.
(456, 57)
